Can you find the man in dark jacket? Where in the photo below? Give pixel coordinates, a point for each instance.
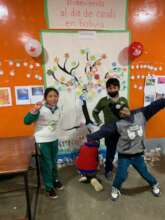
(130, 129)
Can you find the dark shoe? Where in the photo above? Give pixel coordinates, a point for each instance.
(109, 175)
(58, 185)
(52, 194)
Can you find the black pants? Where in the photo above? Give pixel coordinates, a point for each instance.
(110, 144)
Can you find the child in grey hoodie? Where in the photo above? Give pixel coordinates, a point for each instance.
(130, 129)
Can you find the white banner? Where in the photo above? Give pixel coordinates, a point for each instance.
(87, 14)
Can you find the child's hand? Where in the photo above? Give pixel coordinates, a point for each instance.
(37, 106)
(92, 128)
(158, 97)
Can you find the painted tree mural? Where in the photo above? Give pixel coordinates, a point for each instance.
(85, 76)
(83, 81)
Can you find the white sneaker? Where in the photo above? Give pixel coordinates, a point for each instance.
(83, 179)
(96, 184)
(115, 193)
(156, 189)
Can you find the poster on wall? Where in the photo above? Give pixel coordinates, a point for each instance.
(154, 89)
(5, 97)
(22, 94)
(87, 14)
(36, 94)
(26, 95)
(78, 65)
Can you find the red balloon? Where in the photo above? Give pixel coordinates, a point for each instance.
(135, 50)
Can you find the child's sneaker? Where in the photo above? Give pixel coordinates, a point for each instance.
(83, 179)
(156, 189)
(96, 184)
(115, 193)
(58, 185)
(52, 194)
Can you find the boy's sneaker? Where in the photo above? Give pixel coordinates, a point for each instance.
(115, 193)
(58, 185)
(83, 179)
(96, 184)
(156, 189)
(52, 194)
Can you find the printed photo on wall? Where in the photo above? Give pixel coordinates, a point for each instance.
(154, 89)
(36, 94)
(5, 97)
(161, 80)
(150, 81)
(22, 94)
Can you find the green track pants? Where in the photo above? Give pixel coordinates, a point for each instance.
(48, 163)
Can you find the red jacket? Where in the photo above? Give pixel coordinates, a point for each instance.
(88, 158)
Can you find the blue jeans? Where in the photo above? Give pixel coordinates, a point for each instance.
(138, 163)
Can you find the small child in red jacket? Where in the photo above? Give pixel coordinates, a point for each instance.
(87, 163)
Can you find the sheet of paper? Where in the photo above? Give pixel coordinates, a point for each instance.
(36, 94)
(154, 89)
(22, 94)
(5, 97)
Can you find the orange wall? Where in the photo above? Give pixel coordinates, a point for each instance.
(146, 21)
(26, 18)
